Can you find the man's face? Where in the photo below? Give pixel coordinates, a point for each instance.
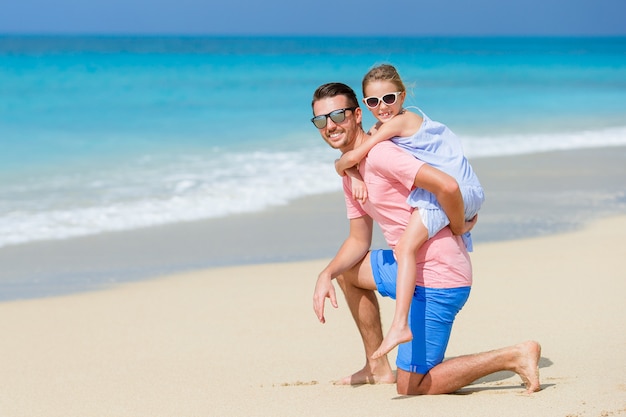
(339, 135)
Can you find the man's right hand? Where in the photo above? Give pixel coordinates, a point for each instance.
(324, 289)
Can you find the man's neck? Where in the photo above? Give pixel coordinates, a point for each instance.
(360, 138)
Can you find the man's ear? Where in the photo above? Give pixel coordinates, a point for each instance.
(358, 115)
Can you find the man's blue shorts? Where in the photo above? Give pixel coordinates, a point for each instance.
(432, 313)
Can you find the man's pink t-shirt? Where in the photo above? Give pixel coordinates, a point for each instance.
(389, 173)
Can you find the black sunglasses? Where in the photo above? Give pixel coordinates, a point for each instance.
(336, 116)
(389, 99)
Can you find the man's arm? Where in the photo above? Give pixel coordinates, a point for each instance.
(353, 250)
(448, 194)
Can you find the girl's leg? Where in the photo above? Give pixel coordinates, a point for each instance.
(412, 239)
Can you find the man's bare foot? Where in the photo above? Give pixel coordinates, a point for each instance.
(528, 365)
(395, 336)
(366, 376)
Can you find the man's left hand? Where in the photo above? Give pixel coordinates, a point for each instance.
(323, 289)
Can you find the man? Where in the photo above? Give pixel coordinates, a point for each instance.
(444, 269)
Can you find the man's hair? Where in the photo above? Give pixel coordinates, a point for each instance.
(335, 89)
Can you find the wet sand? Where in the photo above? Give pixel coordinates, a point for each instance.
(527, 195)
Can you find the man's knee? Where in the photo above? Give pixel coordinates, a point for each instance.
(341, 281)
(359, 276)
(402, 389)
(409, 383)
(348, 277)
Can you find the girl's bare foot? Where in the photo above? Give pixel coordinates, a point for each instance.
(395, 336)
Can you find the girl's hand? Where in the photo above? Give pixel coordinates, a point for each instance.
(359, 191)
(469, 224)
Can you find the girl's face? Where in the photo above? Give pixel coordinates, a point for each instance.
(383, 99)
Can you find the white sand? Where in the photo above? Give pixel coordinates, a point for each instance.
(243, 341)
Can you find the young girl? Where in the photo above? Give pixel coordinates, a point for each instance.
(431, 142)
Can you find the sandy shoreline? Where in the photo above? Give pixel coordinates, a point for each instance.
(243, 341)
(527, 195)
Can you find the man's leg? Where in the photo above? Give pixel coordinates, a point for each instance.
(456, 373)
(359, 289)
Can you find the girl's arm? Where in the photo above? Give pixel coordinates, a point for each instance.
(397, 126)
(359, 191)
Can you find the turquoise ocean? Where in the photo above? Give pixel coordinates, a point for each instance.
(104, 134)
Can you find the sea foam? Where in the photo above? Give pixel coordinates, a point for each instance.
(159, 189)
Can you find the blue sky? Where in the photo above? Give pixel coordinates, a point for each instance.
(337, 17)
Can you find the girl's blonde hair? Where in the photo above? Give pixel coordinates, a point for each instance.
(383, 72)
